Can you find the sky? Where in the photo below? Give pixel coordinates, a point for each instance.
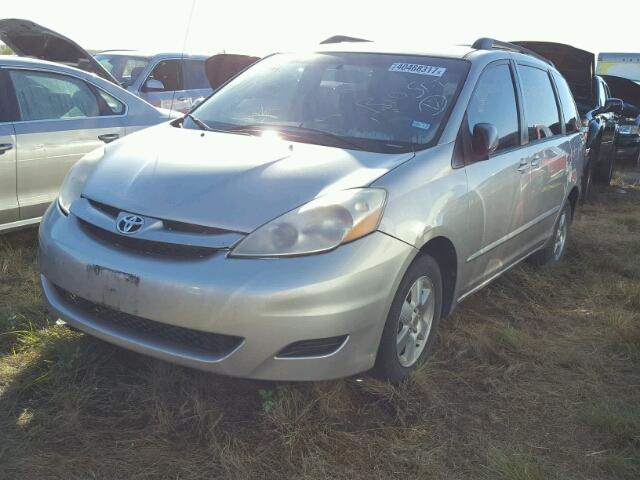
(260, 27)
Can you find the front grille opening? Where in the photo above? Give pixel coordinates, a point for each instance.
(196, 341)
(108, 209)
(147, 247)
(318, 347)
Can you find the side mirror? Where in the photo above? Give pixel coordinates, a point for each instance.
(153, 85)
(614, 105)
(484, 140)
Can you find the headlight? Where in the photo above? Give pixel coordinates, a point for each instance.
(629, 130)
(318, 226)
(74, 181)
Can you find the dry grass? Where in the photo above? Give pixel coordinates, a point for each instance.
(535, 377)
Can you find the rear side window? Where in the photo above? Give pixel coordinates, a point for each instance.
(494, 101)
(568, 105)
(50, 96)
(167, 75)
(113, 105)
(540, 106)
(194, 74)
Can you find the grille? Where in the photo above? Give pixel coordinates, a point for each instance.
(149, 330)
(147, 247)
(312, 348)
(108, 209)
(172, 225)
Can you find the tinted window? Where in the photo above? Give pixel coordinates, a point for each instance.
(48, 96)
(372, 101)
(194, 75)
(167, 72)
(569, 110)
(541, 109)
(494, 101)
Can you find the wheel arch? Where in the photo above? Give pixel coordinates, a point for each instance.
(444, 252)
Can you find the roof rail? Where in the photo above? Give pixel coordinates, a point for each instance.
(486, 43)
(342, 39)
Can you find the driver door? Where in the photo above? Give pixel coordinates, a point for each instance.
(164, 84)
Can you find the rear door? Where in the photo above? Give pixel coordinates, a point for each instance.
(499, 185)
(61, 118)
(8, 197)
(547, 152)
(163, 84)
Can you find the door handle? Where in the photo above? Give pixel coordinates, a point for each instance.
(524, 165)
(183, 99)
(108, 137)
(5, 147)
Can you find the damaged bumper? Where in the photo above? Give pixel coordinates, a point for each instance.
(258, 318)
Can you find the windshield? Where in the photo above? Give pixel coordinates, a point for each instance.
(126, 69)
(375, 102)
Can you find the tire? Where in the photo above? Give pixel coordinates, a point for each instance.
(553, 252)
(397, 358)
(603, 168)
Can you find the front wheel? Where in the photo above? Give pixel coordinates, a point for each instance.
(413, 319)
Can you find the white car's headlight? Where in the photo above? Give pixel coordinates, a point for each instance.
(74, 181)
(318, 226)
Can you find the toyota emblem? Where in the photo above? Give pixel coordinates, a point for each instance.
(128, 223)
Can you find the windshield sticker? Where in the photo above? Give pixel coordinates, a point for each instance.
(418, 69)
(422, 125)
(434, 104)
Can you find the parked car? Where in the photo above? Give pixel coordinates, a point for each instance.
(50, 116)
(598, 109)
(321, 213)
(175, 81)
(628, 138)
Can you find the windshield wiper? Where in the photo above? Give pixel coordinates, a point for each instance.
(293, 129)
(201, 125)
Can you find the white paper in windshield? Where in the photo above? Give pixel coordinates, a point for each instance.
(418, 69)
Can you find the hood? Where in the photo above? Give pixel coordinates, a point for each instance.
(626, 90)
(224, 66)
(222, 180)
(28, 39)
(576, 66)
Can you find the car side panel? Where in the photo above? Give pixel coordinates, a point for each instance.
(47, 150)
(9, 211)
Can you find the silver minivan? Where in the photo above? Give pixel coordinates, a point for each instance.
(321, 213)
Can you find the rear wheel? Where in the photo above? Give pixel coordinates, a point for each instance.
(556, 247)
(413, 319)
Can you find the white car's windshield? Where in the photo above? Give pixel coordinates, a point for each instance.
(376, 102)
(124, 68)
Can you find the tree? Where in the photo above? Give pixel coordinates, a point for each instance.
(4, 50)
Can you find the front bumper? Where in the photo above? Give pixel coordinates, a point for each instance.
(268, 303)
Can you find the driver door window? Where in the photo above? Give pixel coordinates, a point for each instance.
(494, 102)
(165, 77)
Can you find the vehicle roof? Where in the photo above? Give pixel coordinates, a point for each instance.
(463, 52)
(15, 61)
(447, 51)
(149, 54)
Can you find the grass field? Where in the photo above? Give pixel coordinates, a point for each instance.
(535, 377)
